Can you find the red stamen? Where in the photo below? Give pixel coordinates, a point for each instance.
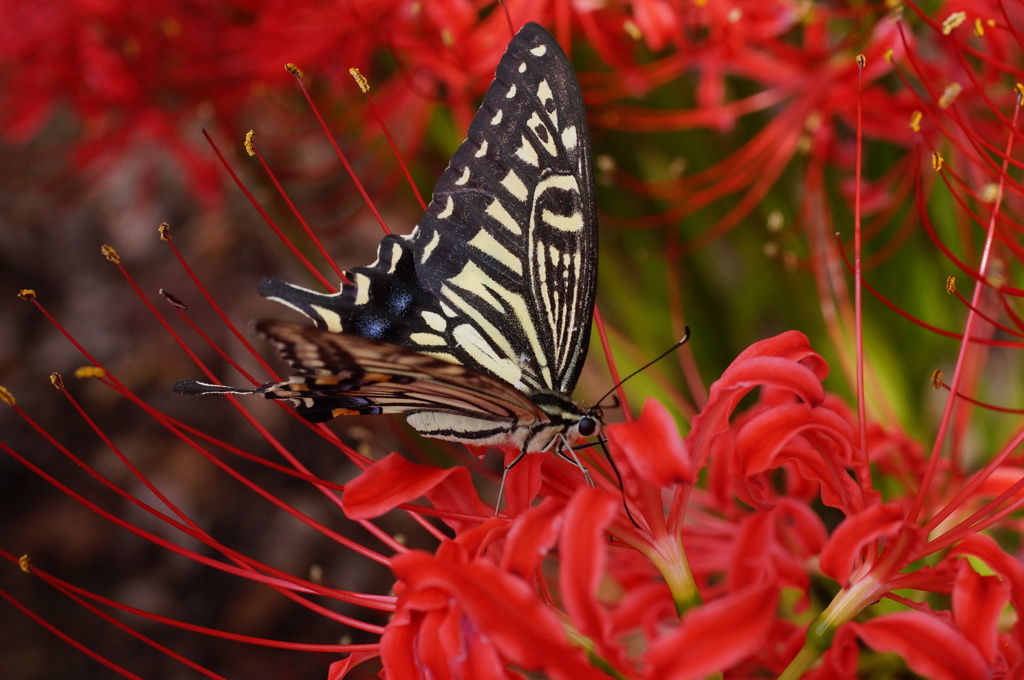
(338, 151)
(269, 220)
(364, 86)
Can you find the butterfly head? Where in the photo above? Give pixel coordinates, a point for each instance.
(590, 423)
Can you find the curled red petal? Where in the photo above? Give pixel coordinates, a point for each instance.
(457, 495)
(652, 447)
(583, 550)
(785, 361)
(339, 669)
(977, 604)
(765, 443)
(930, 646)
(499, 608)
(531, 538)
(387, 484)
(842, 552)
(716, 636)
(1006, 566)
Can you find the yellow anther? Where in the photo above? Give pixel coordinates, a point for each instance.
(949, 95)
(952, 21)
(90, 372)
(915, 121)
(110, 254)
(361, 81)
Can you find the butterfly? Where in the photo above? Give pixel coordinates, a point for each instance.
(476, 325)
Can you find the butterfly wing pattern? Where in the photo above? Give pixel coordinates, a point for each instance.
(476, 325)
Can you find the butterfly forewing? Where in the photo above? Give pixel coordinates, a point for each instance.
(511, 229)
(500, 273)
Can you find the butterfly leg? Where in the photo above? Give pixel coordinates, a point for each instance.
(504, 474)
(575, 460)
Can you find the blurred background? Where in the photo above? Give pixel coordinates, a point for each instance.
(725, 136)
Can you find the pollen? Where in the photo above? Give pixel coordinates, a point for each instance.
(27, 294)
(250, 136)
(915, 121)
(979, 28)
(862, 61)
(25, 564)
(888, 55)
(56, 380)
(950, 284)
(937, 161)
(293, 69)
(952, 21)
(936, 379)
(110, 254)
(1019, 89)
(90, 372)
(949, 95)
(6, 396)
(361, 81)
(632, 30)
(165, 231)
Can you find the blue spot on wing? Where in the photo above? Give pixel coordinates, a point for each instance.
(372, 327)
(399, 301)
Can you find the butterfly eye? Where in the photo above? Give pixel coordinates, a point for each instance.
(587, 426)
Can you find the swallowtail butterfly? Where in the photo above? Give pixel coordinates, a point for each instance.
(476, 325)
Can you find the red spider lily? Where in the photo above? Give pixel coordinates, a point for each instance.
(784, 530)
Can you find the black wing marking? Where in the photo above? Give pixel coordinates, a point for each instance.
(500, 274)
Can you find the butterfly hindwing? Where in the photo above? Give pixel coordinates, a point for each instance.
(500, 273)
(340, 374)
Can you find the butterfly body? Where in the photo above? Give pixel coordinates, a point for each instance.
(476, 325)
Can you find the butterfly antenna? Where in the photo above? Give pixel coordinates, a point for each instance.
(673, 348)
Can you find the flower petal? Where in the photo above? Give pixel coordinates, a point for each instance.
(1006, 566)
(583, 550)
(766, 441)
(930, 646)
(652, 447)
(531, 538)
(716, 636)
(977, 603)
(339, 669)
(499, 608)
(387, 484)
(456, 495)
(785, 361)
(843, 551)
